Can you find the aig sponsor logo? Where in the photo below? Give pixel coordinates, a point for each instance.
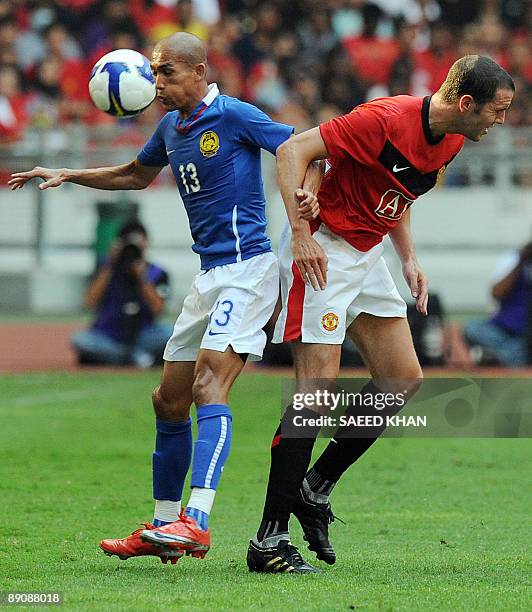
(392, 205)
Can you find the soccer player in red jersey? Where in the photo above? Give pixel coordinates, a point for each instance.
(380, 158)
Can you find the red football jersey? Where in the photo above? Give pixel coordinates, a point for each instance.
(382, 157)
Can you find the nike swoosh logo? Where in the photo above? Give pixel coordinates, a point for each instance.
(172, 151)
(211, 333)
(396, 169)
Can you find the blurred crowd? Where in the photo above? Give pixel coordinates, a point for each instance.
(303, 61)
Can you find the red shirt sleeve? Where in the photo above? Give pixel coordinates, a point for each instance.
(361, 134)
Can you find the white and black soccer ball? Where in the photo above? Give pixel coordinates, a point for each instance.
(122, 84)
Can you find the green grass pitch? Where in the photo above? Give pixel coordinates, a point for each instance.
(432, 524)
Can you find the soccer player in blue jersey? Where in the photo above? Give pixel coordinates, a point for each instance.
(212, 143)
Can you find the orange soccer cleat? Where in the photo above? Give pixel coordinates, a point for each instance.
(184, 535)
(133, 546)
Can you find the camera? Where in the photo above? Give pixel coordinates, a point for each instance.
(129, 253)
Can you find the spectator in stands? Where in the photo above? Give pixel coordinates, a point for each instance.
(180, 18)
(505, 335)
(255, 46)
(519, 59)
(45, 103)
(259, 47)
(400, 81)
(8, 37)
(13, 114)
(105, 18)
(456, 13)
(73, 72)
(224, 68)
(341, 87)
(431, 66)
(60, 42)
(317, 37)
(127, 293)
(372, 55)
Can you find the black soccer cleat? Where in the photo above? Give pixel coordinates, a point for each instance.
(315, 520)
(281, 559)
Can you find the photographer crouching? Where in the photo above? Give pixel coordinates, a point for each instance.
(127, 293)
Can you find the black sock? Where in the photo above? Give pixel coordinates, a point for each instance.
(339, 455)
(290, 458)
(344, 449)
(317, 484)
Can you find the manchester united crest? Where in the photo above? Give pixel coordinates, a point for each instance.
(330, 321)
(209, 143)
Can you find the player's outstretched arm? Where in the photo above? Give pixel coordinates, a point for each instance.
(127, 176)
(293, 159)
(401, 237)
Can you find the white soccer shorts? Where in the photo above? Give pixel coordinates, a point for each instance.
(357, 282)
(227, 306)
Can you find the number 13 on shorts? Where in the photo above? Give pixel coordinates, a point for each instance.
(220, 318)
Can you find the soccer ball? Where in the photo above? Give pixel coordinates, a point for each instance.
(122, 84)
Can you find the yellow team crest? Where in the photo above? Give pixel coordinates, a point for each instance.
(209, 143)
(330, 321)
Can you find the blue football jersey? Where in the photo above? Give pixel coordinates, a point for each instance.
(215, 157)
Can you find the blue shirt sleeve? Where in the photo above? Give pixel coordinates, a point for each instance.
(252, 126)
(153, 153)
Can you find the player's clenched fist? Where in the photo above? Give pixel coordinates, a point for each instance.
(52, 178)
(309, 207)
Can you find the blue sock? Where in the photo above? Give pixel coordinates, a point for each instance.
(171, 460)
(201, 518)
(211, 451)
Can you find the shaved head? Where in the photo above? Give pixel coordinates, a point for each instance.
(182, 47)
(179, 65)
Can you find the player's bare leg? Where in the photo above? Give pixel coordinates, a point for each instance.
(171, 460)
(388, 351)
(214, 375)
(386, 346)
(315, 361)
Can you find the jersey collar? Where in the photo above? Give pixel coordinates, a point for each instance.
(185, 125)
(425, 123)
(211, 94)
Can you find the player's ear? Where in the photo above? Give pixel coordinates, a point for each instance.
(466, 103)
(201, 69)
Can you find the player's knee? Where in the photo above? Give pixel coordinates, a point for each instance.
(405, 377)
(413, 379)
(166, 408)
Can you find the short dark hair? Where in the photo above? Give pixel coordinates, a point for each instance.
(133, 226)
(477, 76)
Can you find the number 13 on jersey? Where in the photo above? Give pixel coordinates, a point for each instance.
(189, 177)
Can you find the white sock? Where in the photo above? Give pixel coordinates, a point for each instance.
(166, 510)
(201, 499)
